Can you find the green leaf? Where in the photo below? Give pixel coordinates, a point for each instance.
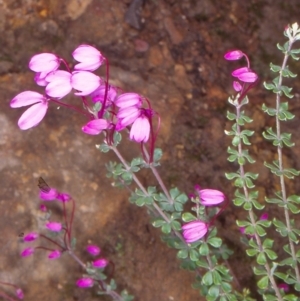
(263, 283)
(251, 252)
(157, 154)
(216, 242)
(194, 255)
(182, 254)
(231, 116)
(271, 254)
(269, 86)
(217, 279)
(166, 228)
(188, 217)
(158, 222)
(261, 258)
(204, 250)
(214, 292)
(104, 148)
(207, 278)
(275, 68)
(268, 243)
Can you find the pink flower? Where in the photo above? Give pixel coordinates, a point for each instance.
(85, 282)
(54, 254)
(128, 100)
(44, 63)
(194, 231)
(233, 55)
(210, 197)
(19, 294)
(245, 74)
(127, 116)
(100, 263)
(95, 127)
(34, 115)
(31, 236)
(85, 82)
(50, 195)
(140, 129)
(43, 208)
(54, 226)
(59, 83)
(63, 197)
(27, 252)
(93, 250)
(89, 57)
(284, 287)
(98, 95)
(237, 86)
(264, 216)
(40, 80)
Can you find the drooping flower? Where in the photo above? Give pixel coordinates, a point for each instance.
(245, 74)
(44, 63)
(99, 93)
(233, 55)
(100, 263)
(85, 82)
(85, 282)
(50, 195)
(140, 129)
(54, 226)
(54, 254)
(194, 231)
(93, 250)
(19, 294)
(210, 197)
(31, 236)
(27, 252)
(128, 100)
(95, 127)
(89, 57)
(34, 115)
(127, 116)
(63, 197)
(59, 83)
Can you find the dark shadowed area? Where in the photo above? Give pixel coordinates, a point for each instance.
(172, 54)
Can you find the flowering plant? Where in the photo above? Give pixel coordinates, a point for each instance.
(112, 112)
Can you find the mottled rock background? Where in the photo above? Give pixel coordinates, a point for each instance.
(175, 58)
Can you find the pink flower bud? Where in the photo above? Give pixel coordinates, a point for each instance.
(194, 231)
(140, 129)
(43, 208)
(210, 197)
(264, 216)
(54, 254)
(284, 287)
(54, 226)
(237, 86)
(93, 250)
(27, 252)
(85, 282)
(19, 294)
(248, 77)
(233, 55)
(31, 236)
(100, 263)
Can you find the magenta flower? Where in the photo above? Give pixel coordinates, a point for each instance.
(54, 254)
(284, 287)
(85, 282)
(40, 80)
(59, 83)
(128, 100)
(89, 57)
(140, 129)
(233, 55)
(43, 208)
(31, 236)
(85, 82)
(19, 294)
(95, 127)
(210, 197)
(245, 74)
(27, 252)
(100, 263)
(34, 115)
(50, 195)
(264, 216)
(93, 250)
(194, 231)
(63, 197)
(54, 226)
(44, 63)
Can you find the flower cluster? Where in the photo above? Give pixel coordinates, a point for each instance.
(106, 106)
(197, 229)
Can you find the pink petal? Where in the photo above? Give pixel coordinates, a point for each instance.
(211, 197)
(54, 254)
(27, 252)
(26, 98)
(194, 231)
(59, 83)
(95, 127)
(85, 282)
(237, 86)
(240, 71)
(33, 116)
(128, 100)
(248, 77)
(39, 78)
(93, 250)
(50, 195)
(31, 236)
(90, 58)
(54, 226)
(19, 294)
(85, 82)
(100, 263)
(98, 95)
(233, 55)
(140, 129)
(44, 62)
